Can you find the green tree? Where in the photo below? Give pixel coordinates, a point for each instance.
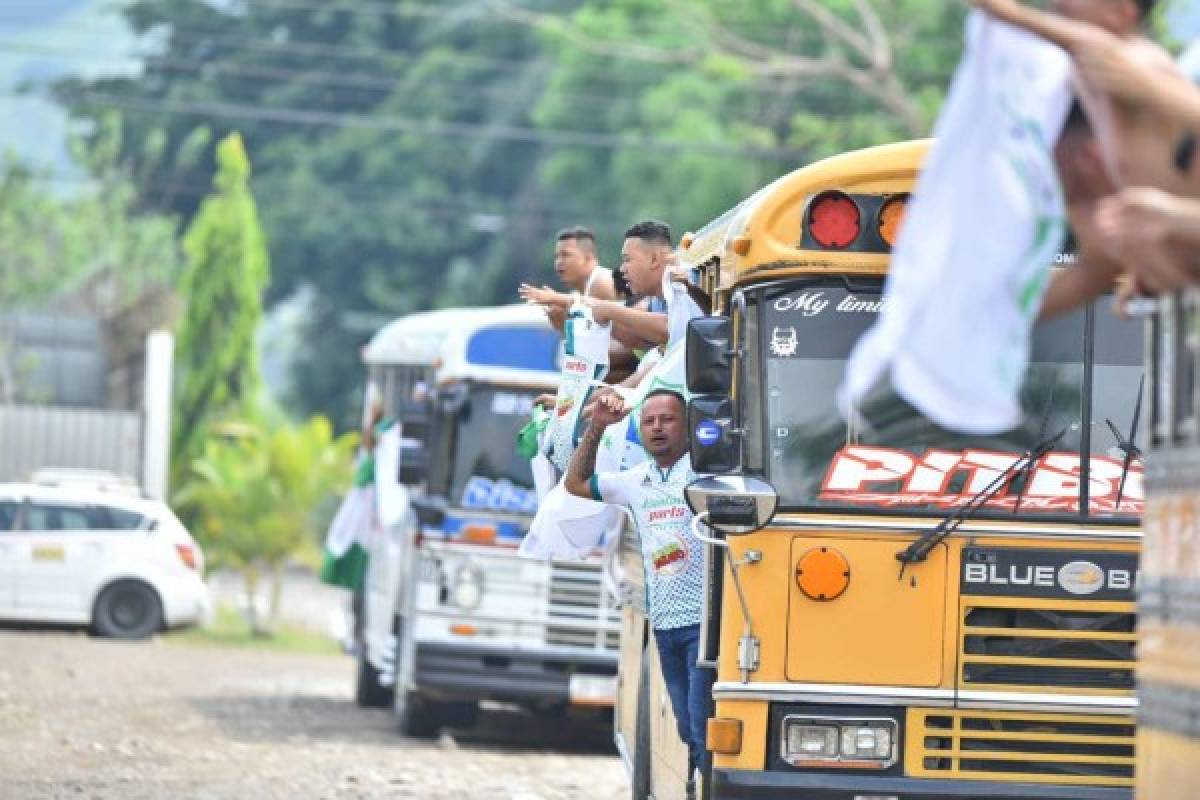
(52, 241)
(227, 271)
(421, 153)
(256, 490)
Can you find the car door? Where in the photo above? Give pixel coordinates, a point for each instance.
(9, 509)
(60, 555)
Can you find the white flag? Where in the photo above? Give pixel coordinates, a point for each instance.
(974, 255)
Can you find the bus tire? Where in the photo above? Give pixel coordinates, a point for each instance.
(368, 691)
(640, 778)
(415, 718)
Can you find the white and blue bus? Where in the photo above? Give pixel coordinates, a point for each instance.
(451, 615)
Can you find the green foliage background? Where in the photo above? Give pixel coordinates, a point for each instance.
(419, 153)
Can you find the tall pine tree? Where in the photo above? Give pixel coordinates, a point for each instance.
(227, 272)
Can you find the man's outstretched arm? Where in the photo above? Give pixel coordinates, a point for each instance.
(608, 409)
(631, 325)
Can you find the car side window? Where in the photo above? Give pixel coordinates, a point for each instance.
(120, 519)
(8, 515)
(48, 517)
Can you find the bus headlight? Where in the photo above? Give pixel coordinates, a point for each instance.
(851, 743)
(467, 590)
(810, 742)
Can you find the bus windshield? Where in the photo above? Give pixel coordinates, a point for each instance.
(891, 459)
(487, 471)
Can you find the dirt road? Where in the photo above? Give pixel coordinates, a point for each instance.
(87, 718)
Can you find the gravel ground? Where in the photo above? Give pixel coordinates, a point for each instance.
(87, 718)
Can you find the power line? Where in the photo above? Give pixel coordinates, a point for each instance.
(432, 128)
(342, 190)
(310, 76)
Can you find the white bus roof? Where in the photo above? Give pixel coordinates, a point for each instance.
(448, 340)
(413, 339)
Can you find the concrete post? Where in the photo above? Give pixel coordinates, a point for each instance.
(156, 409)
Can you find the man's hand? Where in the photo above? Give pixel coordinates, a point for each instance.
(545, 401)
(1155, 236)
(557, 316)
(601, 309)
(543, 296)
(608, 409)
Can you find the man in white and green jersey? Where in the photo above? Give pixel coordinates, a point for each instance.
(672, 556)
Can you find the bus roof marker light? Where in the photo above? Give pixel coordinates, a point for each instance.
(834, 220)
(891, 217)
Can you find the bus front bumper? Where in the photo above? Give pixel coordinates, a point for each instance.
(731, 784)
(458, 672)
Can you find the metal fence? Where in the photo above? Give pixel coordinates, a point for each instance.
(32, 437)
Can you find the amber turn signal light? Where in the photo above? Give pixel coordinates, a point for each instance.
(891, 216)
(822, 574)
(725, 735)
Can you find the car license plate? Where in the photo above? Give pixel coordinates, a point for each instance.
(593, 690)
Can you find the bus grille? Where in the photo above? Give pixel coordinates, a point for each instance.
(1008, 746)
(1055, 647)
(580, 612)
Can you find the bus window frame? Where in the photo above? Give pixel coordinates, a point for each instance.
(756, 297)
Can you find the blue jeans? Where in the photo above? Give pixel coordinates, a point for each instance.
(690, 689)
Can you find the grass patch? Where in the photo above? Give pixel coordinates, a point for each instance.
(229, 628)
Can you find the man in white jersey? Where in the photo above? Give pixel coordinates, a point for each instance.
(672, 556)
(579, 269)
(647, 262)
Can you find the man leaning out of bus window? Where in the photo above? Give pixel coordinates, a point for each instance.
(649, 264)
(671, 553)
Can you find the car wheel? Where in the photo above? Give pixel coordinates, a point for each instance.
(127, 610)
(368, 691)
(414, 717)
(640, 779)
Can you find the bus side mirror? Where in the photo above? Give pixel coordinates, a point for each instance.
(414, 462)
(715, 441)
(735, 504)
(709, 355)
(431, 513)
(414, 421)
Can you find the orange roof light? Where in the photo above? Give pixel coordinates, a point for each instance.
(891, 216)
(834, 220)
(686, 240)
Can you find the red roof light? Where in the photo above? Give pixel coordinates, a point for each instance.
(834, 220)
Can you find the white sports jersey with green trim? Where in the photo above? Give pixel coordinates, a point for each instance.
(672, 556)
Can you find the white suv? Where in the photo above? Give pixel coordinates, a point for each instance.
(99, 555)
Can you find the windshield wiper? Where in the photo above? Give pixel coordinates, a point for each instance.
(1126, 444)
(1041, 435)
(920, 549)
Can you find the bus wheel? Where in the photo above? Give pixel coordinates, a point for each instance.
(368, 691)
(461, 715)
(641, 747)
(414, 717)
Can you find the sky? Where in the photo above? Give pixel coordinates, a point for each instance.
(39, 41)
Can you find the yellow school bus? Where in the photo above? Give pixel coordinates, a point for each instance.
(1169, 623)
(896, 611)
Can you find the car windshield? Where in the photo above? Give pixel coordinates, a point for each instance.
(488, 473)
(893, 459)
